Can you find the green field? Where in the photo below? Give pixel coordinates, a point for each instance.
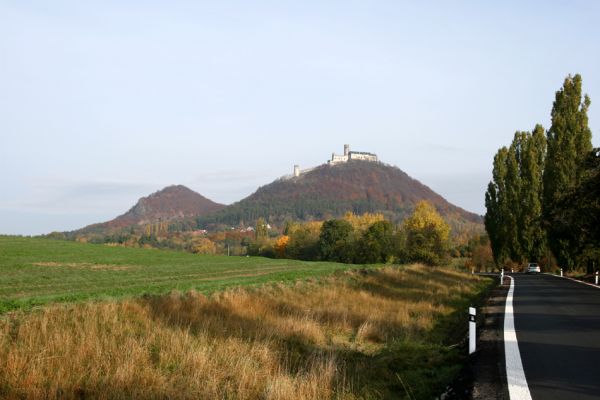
(38, 271)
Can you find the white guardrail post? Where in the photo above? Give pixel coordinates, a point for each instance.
(502, 277)
(596, 277)
(561, 275)
(472, 330)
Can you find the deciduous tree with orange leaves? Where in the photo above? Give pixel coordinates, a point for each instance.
(281, 245)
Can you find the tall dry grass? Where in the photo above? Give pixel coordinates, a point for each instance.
(307, 341)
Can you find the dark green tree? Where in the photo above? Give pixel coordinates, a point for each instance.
(532, 237)
(574, 218)
(512, 208)
(335, 241)
(497, 207)
(303, 244)
(376, 244)
(513, 199)
(569, 141)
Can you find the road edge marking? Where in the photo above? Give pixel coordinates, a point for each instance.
(574, 280)
(515, 375)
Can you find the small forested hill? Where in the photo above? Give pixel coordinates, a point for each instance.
(172, 203)
(330, 191)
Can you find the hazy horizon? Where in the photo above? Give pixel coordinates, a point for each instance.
(101, 105)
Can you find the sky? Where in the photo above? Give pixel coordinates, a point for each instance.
(102, 103)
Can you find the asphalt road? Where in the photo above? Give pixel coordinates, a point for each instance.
(557, 322)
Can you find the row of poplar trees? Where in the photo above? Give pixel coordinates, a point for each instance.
(532, 177)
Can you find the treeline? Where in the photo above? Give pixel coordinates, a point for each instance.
(361, 239)
(543, 203)
(354, 238)
(155, 235)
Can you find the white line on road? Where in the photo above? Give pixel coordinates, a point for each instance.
(515, 375)
(574, 280)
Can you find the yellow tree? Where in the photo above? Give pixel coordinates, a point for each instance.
(361, 223)
(426, 234)
(261, 229)
(281, 245)
(204, 246)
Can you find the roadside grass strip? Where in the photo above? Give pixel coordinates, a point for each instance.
(515, 375)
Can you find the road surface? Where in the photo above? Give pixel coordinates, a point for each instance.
(557, 324)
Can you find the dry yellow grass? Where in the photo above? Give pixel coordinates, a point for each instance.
(278, 342)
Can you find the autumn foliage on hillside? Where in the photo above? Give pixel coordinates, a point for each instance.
(332, 191)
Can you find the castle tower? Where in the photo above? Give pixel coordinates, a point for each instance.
(346, 149)
(296, 170)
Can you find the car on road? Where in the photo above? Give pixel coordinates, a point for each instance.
(533, 268)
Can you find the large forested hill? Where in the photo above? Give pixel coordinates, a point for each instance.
(324, 192)
(330, 191)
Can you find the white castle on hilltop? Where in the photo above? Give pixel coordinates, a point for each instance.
(352, 155)
(347, 156)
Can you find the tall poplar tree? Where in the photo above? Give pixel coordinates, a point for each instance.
(496, 205)
(514, 199)
(513, 204)
(569, 141)
(575, 216)
(532, 236)
(527, 200)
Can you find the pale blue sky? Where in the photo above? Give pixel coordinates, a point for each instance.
(104, 102)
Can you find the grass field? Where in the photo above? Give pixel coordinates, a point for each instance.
(176, 325)
(385, 333)
(38, 271)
